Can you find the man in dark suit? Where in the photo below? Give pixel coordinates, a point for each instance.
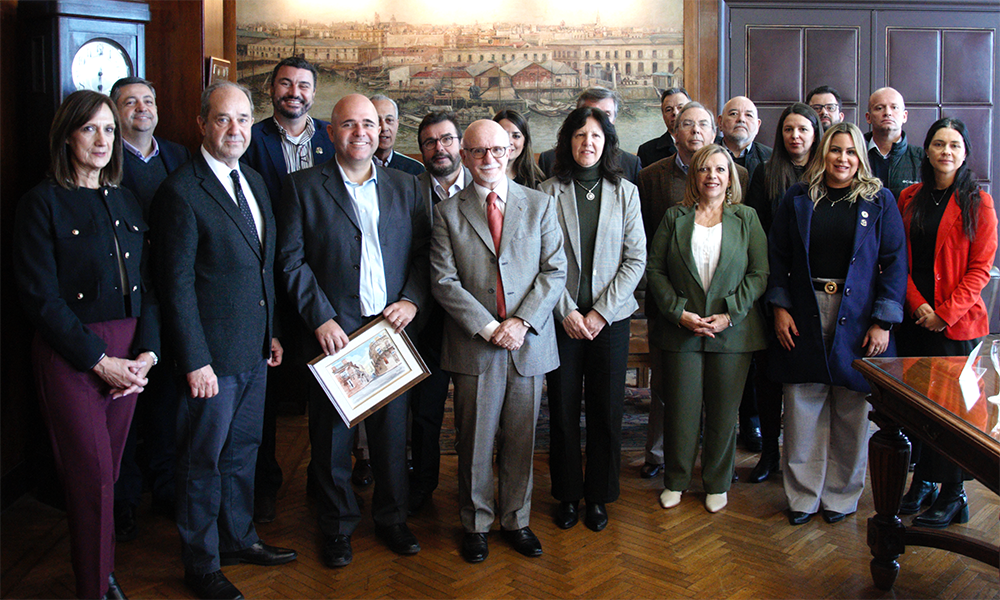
(498, 268)
(672, 100)
(213, 244)
(352, 241)
(147, 162)
(388, 120)
(738, 127)
(289, 141)
(440, 140)
(610, 102)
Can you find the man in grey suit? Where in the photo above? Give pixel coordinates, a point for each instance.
(440, 139)
(352, 246)
(497, 269)
(213, 243)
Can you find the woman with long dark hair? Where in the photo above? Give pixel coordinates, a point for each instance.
(951, 237)
(79, 247)
(795, 141)
(521, 165)
(606, 255)
(838, 277)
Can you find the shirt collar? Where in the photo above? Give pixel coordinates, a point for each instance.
(348, 182)
(221, 170)
(383, 163)
(307, 133)
(680, 164)
(459, 184)
(138, 153)
(482, 192)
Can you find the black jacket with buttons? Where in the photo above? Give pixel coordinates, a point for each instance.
(67, 270)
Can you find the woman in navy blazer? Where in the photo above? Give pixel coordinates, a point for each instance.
(838, 275)
(951, 240)
(78, 261)
(707, 269)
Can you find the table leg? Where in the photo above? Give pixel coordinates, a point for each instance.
(888, 460)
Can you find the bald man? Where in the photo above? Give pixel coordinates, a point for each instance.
(497, 270)
(892, 158)
(352, 246)
(738, 126)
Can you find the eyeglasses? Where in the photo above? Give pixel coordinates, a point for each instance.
(831, 108)
(686, 124)
(446, 141)
(496, 151)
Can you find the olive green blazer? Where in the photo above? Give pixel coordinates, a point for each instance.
(739, 280)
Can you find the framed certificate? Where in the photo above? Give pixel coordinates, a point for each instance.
(375, 366)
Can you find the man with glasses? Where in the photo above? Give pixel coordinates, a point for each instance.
(352, 247)
(661, 185)
(287, 142)
(497, 269)
(388, 120)
(826, 102)
(672, 100)
(440, 140)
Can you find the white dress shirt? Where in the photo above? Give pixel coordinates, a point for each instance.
(222, 171)
(373, 288)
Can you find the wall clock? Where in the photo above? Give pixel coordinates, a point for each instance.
(98, 64)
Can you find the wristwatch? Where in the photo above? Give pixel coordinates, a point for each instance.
(884, 325)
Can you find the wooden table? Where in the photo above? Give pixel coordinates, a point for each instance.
(923, 395)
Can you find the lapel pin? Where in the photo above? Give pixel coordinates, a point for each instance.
(320, 151)
(864, 214)
(864, 223)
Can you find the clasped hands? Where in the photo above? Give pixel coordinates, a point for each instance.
(705, 326)
(123, 375)
(510, 334)
(581, 327)
(928, 319)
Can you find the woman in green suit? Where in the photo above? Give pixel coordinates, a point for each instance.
(707, 268)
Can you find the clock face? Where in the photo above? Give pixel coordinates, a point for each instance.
(98, 64)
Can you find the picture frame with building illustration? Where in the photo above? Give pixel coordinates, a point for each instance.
(375, 367)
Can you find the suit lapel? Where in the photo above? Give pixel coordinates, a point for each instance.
(335, 187)
(803, 216)
(609, 204)
(868, 215)
(951, 218)
(273, 145)
(567, 202)
(730, 234)
(685, 231)
(515, 206)
(474, 213)
(385, 202)
(213, 187)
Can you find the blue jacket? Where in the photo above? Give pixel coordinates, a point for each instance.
(874, 289)
(264, 153)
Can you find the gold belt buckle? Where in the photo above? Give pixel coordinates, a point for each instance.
(830, 287)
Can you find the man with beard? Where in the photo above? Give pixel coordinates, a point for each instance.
(287, 142)
(440, 142)
(827, 103)
(388, 120)
(738, 125)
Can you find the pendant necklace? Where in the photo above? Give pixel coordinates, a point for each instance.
(590, 192)
(944, 194)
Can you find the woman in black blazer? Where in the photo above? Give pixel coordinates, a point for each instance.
(78, 261)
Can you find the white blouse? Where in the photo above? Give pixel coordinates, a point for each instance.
(706, 246)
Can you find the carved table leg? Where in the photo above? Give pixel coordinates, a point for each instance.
(888, 459)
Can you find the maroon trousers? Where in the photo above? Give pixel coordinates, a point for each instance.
(88, 430)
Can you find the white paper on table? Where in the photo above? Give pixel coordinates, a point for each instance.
(968, 381)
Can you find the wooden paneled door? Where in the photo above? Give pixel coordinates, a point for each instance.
(942, 58)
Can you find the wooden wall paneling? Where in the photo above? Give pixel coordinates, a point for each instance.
(175, 64)
(701, 51)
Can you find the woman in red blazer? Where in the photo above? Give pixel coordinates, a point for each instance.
(951, 239)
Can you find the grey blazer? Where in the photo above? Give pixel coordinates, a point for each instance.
(464, 273)
(619, 253)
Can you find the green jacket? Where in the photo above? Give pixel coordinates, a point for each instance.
(739, 280)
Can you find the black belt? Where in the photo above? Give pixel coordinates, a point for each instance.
(830, 287)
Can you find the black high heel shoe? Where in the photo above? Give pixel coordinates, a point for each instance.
(921, 493)
(951, 506)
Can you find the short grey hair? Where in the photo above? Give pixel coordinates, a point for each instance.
(598, 93)
(695, 104)
(206, 96)
(378, 97)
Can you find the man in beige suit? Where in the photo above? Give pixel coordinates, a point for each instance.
(497, 269)
(661, 185)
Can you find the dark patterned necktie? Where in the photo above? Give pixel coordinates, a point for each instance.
(495, 219)
(241, 199)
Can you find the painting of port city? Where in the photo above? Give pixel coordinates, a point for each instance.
(473, 58)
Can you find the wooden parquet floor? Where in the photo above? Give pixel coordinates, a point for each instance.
(746, 551)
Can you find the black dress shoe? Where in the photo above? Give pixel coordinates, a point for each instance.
(832, 516)
(126, 528)
(114, 590)
(212, 586)
(416, 501)
(951, 506)
(921, 493)
(524, 541)
(798, 518)
(597, 516)
(768, 463)
(362, 474)
(567, 515)
(337, 551)
(399, 538)
(264, 509)
(750, 435)
(649, 470)
(258, 554)
(475, 548)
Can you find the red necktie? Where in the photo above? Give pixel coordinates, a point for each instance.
(495, 218)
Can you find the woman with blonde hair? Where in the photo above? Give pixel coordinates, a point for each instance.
(707, 268)
(838, 276)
